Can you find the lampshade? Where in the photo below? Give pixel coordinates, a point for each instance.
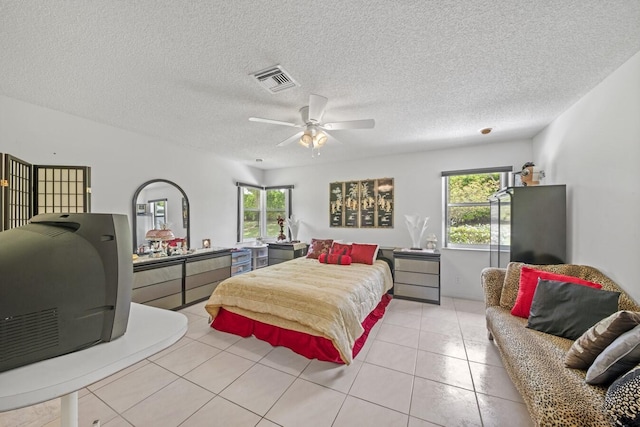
(306, 139)
(165, 234)
(319, 140)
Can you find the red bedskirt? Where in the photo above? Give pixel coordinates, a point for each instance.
(309, 346)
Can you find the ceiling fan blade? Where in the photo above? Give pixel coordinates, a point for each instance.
(316, 107)
(332, 139)
(291, 139)
(350, 124)
(273, 122)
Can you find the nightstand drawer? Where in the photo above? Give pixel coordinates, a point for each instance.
(419, 279)
(280, 254)
(417, 292)
(417, 265)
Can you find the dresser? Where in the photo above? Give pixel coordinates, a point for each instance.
(176, 281)
(281, 252)
(416, 275)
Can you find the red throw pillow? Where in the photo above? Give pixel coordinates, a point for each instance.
(335, 259)
(528, 283)
(363, 253)
(340, 249)
(319, 246)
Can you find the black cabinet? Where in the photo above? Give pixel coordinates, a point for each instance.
(529, 224)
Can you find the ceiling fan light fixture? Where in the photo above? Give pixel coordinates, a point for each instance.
(306, 139)
(319, 140)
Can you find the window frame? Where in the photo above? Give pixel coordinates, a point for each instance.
(504, 172)
(262, 209)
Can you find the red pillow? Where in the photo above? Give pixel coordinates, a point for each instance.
(335, 259)
(363, 253)
(318, 247)
(340, 249)
(528, 283)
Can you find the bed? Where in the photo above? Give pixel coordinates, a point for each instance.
(321, 311)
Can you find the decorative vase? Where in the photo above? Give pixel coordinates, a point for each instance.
(416, 226)
(293, 225)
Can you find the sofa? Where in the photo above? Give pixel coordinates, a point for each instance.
(535, 361)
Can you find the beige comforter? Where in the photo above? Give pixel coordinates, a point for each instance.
(304, 295)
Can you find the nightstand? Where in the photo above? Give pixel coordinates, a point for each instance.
(281, 252)
(417, 275)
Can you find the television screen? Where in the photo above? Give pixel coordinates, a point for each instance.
(65, 284)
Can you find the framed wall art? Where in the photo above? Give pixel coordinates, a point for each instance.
(336, 204)
(361, 204)
(352, 197)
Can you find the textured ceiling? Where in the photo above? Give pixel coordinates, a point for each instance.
(431, 73)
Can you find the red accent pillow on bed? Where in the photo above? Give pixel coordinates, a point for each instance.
(340, 249)
(363, 253)
(335, 259)
(529, 282)
(318, 247)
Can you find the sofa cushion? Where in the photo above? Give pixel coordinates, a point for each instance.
(622, 400)
(568, 310)
(319, 246)
(335, 259)
(620, 356)
(529, 281)
(510, 287)
(555, 395)
(338, 248)
(586, 348)
(364, 253)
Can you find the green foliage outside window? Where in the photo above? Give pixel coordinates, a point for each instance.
(275, 206)
(251, 220)
(468, 207)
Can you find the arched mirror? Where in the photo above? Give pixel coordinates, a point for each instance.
(156, 203)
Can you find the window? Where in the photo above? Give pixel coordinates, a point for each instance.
(259, 208)
(467, 213)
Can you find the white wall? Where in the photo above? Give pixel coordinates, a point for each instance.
(121, 161)
(594, 147)
(418, 190)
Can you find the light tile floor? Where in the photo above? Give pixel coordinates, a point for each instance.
(423, 365)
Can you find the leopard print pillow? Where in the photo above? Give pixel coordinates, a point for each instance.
(622, 400)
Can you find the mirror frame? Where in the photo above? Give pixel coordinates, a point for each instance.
(134, 207)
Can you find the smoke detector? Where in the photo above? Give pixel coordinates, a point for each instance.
(275, 79)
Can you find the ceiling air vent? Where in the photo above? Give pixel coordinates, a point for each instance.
(275, 79)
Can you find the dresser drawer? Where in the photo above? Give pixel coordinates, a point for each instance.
(417, 265)
(417, 292)
(419, 279)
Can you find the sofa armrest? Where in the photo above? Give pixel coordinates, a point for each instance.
(492, 282)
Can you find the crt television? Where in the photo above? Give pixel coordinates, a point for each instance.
(65, 284)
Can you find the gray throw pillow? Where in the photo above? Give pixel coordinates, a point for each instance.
(620, 356)
(568, 310)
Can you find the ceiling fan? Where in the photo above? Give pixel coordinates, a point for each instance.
(315, 132)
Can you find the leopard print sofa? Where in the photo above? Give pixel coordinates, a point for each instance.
(554, 395)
